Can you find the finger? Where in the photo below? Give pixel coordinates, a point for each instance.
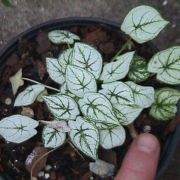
(141, 161)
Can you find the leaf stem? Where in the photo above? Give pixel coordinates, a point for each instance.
(36, 82)
(132, 131)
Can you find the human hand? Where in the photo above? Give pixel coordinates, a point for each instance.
(141, 160)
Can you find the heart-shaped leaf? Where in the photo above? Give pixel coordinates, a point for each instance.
(112, 137)
(143, 23)
(84, 136)
(98, 108)
(117, 92)
(138, 70)
(167, 65)
(143, 95)
(52, 138)
(18, 128)
(29, 95)
(62, 106)
(62, 37)
(165, 105)
(79, 81)
(117, 70)
(87, 57)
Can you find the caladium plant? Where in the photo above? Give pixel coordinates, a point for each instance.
(95, 100)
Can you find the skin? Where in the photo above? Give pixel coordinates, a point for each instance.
(141, 161)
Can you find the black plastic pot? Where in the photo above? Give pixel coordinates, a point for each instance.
(173, 139)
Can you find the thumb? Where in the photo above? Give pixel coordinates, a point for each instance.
(141, 161)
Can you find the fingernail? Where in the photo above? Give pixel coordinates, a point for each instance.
(147, 143)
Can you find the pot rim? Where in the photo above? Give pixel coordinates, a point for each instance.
(171, 141)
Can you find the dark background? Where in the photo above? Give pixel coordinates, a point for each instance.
(27, 13)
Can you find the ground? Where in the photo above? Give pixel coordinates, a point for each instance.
(26, 13)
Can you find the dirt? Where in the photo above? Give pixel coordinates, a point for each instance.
(66, 163)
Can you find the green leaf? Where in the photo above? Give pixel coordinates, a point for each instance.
(29, 95)
(7, 3)
(143, 95)
(143, 23)
(84, 136)
(98, 108)
(165, 105)
(166, 64)
(112, 137)
(52, 138)
(62, 106)
(79, 81)
(18, 128)
(87, 57)
(62, 37)
(138, 70)
(117, 92)
(117, 70)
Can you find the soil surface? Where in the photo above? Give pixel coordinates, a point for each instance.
(28, 13)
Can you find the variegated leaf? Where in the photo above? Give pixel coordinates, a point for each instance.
(29, 95)
(117, 70)
(79, 81)
(65, 90)
(62, 37)
(62, 106)
(87, 57)
(84, 136)
(98, 108)
(112, 137)
(166, 64)
(143, 23)
(53, 138)
(18, 128)
(165, 105)
(143, 95)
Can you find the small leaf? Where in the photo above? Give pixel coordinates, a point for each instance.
(98, 108)
(79, 81)
(62, 106)
(165, 105)
(167, 65)
(84, 136)
(117, 70)
(55, 70)
(143, 23)
(87, 57)
(143, 95)
(16, 81)
(18, 128)
(138, 70)
(52, 138)
(29, 95)
(62, 37)
(112, 137)
(117, 92)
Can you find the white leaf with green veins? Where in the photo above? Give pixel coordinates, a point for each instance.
(29, 95)
(97, 107)
(143, 23)
(52, 138)
(117, 70)
(87, 57)
(62, 106)
(126, 113)
(165, 105)
(65, 90)
(166, 64)
(117, 92)
(143, 95)
(18, 128)
(62, 37)
(84, 136)
(79, 81)
(112, 137)
(55, 70)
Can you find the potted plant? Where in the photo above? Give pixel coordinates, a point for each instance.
(75, 92)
